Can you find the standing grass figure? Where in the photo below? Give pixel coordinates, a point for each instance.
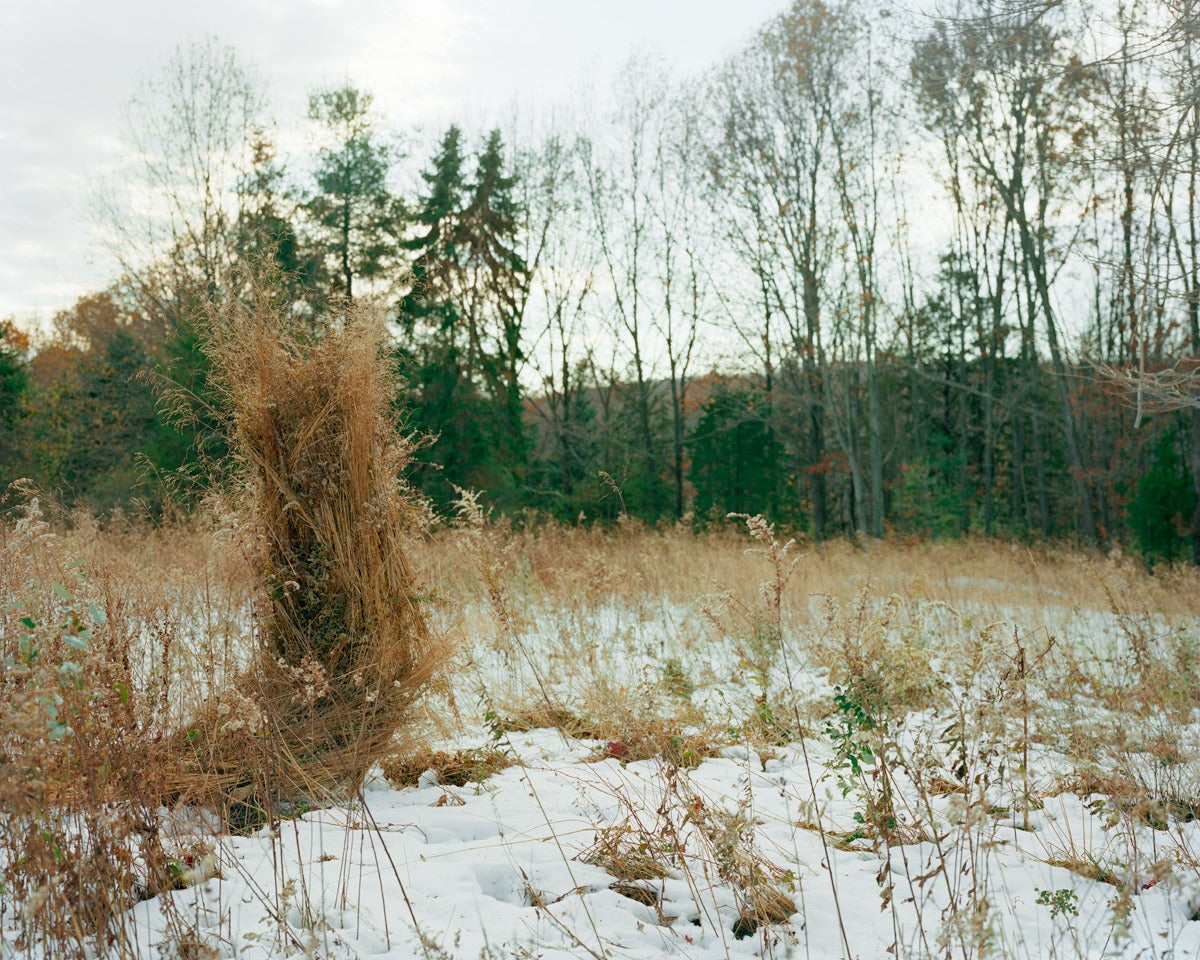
(342, 649)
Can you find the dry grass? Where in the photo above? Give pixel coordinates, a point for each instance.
(640, 566)
(343, 650)
(82, 765)
(266, 651)
(631, 726)
(457, 768)
(935, 677)
(687, 833)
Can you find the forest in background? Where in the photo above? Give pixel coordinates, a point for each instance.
(872, 275)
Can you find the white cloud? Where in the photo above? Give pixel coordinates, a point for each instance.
(68, 68)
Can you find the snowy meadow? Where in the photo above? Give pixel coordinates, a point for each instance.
(647, 743)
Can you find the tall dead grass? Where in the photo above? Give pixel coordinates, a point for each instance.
(81, 761)
(270, 649)
(342, 649)
(642, 566)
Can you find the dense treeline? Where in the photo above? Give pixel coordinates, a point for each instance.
(868, 276)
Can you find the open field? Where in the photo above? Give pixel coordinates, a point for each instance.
(275, 684)
(649, 743)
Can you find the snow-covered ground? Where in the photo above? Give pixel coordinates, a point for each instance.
(998, 862)
(574, 850)
(500, 870)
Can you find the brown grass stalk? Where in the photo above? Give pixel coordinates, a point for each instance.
(343, 650)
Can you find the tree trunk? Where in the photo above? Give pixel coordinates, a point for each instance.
(814, 388)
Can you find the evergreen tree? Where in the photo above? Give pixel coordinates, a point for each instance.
(461, 318)
(565, 470)
(637, 417)
(495, 302)
(353, 214)
(442, 398)
(1161, 509)
(14, 385)
(427, 311)
(266, 239)
(103, 439)
(736, 458)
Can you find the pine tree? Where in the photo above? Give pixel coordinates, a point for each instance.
(442, 398)
(427, 310)
(101, 437)
(268, 245)
(495, 306)
(565, 470)
(353, 214)
(736, 457)
(462, 318)
(14, 385)
(1161, 509)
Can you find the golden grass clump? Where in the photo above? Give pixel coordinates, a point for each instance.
(343, 650)
(456, 769)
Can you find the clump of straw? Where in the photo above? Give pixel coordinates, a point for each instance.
(342, 648)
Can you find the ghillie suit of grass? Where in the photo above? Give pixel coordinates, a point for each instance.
(342, 650)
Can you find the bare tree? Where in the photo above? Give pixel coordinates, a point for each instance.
(562, 281)
(771, 185)
(619, 180)
(1005, 84)
(189, 129)
(852, 111)
(681, 237)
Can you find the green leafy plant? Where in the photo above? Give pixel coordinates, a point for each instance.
(857, 733)
(1062, 902)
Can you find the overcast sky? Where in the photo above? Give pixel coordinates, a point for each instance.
(69, 67)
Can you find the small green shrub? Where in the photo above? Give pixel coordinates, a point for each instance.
(1061, 902)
